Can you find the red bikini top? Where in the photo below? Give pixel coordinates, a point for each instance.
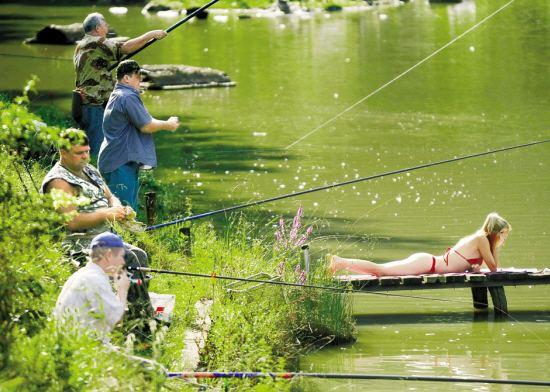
(478, 260)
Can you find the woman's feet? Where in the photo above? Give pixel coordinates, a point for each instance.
(334, 264)
(363, 267)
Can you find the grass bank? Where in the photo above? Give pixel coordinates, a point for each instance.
(265, 329)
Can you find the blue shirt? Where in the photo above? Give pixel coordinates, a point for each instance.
(123, 141)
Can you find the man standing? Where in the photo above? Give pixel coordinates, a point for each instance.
(87, 297)
(128, 129)
(94, 82)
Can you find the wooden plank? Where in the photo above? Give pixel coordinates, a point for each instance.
(390, 281)
(412, 280)
(540, 277)
(477, 278)
(360, 284)
(455, 278)
(499, 299)
(497, 276)
(513, 277)
(517, 276)
(479, 297)
(431, 279)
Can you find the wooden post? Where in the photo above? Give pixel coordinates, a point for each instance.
(479, 296)
(151, 207)
(186, 232)
(499, 300)
(305, 249)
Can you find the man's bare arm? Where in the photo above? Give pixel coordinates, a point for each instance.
(113, 200)
(136, 43)
(85, 220)
(159, 125)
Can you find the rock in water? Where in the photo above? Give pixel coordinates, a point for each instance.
(200, 15)
(284, 6)
(118, 10)
(58, 34)
(174, 76)
(61, 35)
(153, 7)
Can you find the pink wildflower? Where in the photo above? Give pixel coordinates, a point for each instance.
(302, 277)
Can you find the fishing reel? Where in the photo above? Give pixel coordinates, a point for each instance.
(132, 268)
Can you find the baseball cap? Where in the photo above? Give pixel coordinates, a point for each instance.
(107, 240)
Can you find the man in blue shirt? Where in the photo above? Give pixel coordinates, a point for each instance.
(128, 129)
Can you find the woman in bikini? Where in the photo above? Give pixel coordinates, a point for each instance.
(467, 255)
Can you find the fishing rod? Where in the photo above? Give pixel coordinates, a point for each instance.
(352, 376)
(348, 290)
(168, 30)
(336, 185)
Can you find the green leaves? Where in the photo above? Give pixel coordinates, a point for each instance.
(24, 133)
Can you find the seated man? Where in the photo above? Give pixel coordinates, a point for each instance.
(75, 176)
(87, 297)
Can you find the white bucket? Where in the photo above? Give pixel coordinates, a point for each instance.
(163, 305)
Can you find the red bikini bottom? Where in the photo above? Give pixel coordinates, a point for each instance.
(432, 270)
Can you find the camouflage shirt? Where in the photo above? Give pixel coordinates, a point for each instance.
(92, 57)
(94, 190)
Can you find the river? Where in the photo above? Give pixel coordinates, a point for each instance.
(298, 118)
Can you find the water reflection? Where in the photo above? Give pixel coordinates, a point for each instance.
(461, 16)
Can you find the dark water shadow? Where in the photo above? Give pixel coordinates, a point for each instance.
(43, 97)
(208, 149)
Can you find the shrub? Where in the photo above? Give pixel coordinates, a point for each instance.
(24, 133)
(31, 271)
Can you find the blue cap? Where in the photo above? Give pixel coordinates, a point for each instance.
(107, 240)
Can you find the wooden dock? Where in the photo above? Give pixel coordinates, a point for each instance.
(479, 283)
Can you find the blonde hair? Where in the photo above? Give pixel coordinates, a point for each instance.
(492, 227)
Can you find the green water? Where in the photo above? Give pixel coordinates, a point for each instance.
(487, 90)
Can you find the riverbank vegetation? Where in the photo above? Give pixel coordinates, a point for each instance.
(265, 328)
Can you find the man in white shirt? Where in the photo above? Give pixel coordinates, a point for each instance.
(87, 297)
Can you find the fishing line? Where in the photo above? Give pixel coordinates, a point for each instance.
(354, 376)
(168, 30)
(30, 176)
(335, 185)
(398, 76)
(520, 323)
(213, 275)
(20, 177)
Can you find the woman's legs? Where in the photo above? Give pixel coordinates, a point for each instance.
(338, 263)
(416, 264)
